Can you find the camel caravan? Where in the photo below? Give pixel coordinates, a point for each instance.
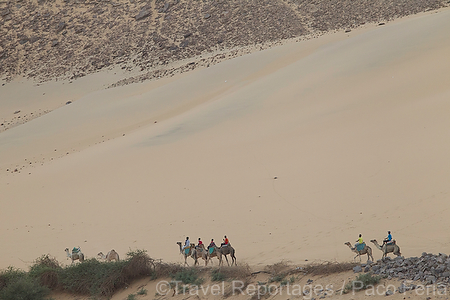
(389, 246)
(76, 254)
(199, 251)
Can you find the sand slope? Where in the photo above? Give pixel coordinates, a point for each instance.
(355, 128)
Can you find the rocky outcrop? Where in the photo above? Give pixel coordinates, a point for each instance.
(47, 39)
(428, 268)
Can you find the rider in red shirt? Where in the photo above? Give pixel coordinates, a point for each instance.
(200, 243)
(225, 241)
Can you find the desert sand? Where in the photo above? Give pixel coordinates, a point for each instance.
(290, 152)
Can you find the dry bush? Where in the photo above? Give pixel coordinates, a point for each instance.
(139, 264)
(327, 268)
(236, 272)
(166, 269)
(278, 268)
(47, 261)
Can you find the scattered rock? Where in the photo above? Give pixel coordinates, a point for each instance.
(142, 14)
(357, 269)
(60, 27)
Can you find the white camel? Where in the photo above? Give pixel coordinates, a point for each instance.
(75, 255)
(110, 256)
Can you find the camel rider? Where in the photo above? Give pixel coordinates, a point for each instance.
(359, 243)
(200, 244)
(212, 244)
(226, 242)
(187, 243)
(388, 239)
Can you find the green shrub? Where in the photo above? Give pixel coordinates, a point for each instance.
(142, 292)
(277, 278)
(131, 297)
(18, 285)
(362, 282)
(216, 275)
(104, 278)
(46, 270)
(188, 276)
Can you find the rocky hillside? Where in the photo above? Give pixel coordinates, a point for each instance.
(428, 268)
(47, 39)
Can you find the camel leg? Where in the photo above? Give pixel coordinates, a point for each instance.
(227, 260)
(233, 260)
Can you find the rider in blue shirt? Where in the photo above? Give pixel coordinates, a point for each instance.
(388, 239)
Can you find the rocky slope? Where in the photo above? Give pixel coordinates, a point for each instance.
(47, 39)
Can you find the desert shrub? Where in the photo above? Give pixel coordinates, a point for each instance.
(46, 269)
(139, 265)
(216, 275)
(188, 276)
(234, 272)
(142, 292)
(90, 277)
(104, 278)
(165, 269)
(362, 282)
(18, 285)
(277, 268)
(277, 278)
(327, 268)
(131, 297)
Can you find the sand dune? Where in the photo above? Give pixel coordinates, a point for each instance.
(354, 127)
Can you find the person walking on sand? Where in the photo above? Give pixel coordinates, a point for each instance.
(187, 243)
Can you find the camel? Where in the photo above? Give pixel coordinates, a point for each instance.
(75, 255)
(191, 252)
(225, 250)
(367, 250)
(214, 253)
(394, 248)
(112, 255)
(203, 253)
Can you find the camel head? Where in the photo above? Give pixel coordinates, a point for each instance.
(101, 255)
(68, 252)
(350, 246)
(374, 241)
